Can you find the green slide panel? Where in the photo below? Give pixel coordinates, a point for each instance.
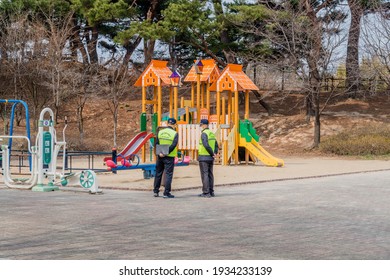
(252, 131)
(244, 131)
(247, 131)
(143, 122)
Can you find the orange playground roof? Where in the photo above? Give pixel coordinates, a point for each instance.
(157, 73)
(210, 72)
(233, 78)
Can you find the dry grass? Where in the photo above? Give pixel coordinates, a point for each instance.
(364, 141)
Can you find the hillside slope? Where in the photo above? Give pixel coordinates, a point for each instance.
(286, 132)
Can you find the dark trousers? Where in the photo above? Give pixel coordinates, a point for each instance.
(206, 173)
(166, 164)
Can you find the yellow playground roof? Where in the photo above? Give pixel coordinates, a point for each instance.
(210, 72)
(234, 79)
(156, 74)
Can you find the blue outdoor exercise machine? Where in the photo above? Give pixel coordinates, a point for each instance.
(15, 103)
(44, 174)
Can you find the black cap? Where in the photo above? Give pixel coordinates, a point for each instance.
(171, 121)
(204, 121)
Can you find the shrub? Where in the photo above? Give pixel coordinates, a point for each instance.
(363, 141)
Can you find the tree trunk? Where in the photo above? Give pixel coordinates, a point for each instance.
(149, 50)
(309, 106)
(76, 43)
(265, 105)
(130, 48)
(150, 44)
(3, 51)
(35, 102)
(115, 117)
(224, 35)
(93, 50)
(56, 93)
(19, 115)
(56, 110)
(4, 116)
(258, 94)
(314, 101)
(317, 121)
(352, 61)
(313, 98)
(80, 117)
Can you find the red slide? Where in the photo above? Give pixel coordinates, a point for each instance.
(134, 145)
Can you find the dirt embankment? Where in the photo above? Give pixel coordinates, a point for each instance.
(286, 132)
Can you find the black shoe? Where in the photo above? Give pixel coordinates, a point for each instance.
(204, 195)
(212, 194)
(156, 194)
(168, 196)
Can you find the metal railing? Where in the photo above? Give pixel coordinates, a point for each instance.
(90, 160)
(19, 160)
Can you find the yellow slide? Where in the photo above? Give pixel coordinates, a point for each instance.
(260, 153)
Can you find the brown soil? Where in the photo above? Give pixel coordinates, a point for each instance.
(286, 132)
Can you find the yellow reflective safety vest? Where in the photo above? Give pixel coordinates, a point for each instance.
(211, 140)
(166, 137)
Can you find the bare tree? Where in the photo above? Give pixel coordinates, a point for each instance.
(15, 37)
(115, 84)
(57, 35)
(22, 50)
(376, 42)
(352, 61)
(76, 41)
(358, 9)
(81, 82)
(305, 38)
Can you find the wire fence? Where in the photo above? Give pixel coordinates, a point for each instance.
(274, 78)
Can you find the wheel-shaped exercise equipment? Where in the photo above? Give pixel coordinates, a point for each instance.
(87, 179)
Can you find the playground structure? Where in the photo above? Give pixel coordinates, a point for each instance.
(129, 160)
(154, 77)
(43, 174)
(240, 132)
(216, 98)
(133, 146)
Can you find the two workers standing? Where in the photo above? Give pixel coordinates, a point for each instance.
(208, 149)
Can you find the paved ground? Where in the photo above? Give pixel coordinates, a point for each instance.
(331, 217)
(188, 177)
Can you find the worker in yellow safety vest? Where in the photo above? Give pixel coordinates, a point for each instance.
(166, 162)
(208, 149)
